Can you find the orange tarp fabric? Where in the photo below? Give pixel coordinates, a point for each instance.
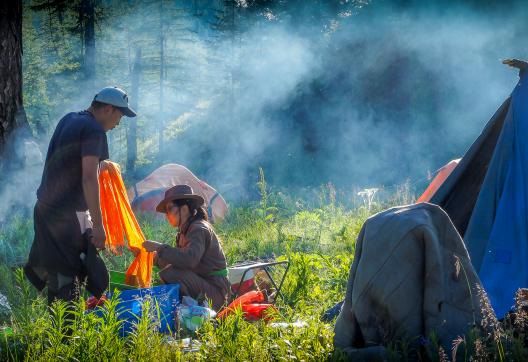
(442, 175)
(119, 222)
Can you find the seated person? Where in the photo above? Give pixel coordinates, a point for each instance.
(197, 262)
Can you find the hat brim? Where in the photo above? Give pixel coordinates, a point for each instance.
(163, 203)
(127, 111)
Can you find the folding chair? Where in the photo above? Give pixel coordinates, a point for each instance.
(242, 277)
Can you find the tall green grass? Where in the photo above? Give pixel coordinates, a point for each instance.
(319, 243)
(318, 238)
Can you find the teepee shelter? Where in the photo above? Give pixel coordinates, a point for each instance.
(486, 197)
(147, 193)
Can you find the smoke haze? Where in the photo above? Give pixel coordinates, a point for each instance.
(366, 98)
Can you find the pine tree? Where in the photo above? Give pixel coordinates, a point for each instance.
(12, 114)
(132, 123)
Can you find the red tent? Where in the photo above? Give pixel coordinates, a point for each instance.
(146, 194)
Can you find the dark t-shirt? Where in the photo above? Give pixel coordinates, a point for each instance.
(77, 134)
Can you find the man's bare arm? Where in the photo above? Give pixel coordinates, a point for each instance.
(90, 182)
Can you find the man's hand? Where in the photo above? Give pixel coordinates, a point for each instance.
(151, 245)
(104, 165)
(98, 237)
(516, 63)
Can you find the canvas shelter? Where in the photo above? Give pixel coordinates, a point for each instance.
(147, 193)
(486, 197)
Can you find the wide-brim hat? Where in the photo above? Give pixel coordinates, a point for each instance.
(179, 192)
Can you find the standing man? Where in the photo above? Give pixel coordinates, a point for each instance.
(67, 216)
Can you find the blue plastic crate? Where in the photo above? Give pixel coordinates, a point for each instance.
(164, 300)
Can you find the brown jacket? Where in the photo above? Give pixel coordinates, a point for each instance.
(411, 275)
(198, 251)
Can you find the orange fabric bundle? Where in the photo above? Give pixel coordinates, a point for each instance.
(119, 222)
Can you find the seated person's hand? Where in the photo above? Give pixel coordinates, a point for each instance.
(161, 263)
(151, 245)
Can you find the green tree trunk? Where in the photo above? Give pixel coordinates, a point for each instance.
(88, 9)
(12, 114)
(162, 79)
(132, 123)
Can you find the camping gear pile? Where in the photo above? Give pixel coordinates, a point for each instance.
(254, 303)
(164, 300)
(169, 313)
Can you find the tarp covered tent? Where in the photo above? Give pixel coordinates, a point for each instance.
(406, 281)
(146, 194)
(487, 200)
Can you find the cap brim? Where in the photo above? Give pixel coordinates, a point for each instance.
(127, 111)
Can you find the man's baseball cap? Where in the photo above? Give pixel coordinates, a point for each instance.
(117, 98)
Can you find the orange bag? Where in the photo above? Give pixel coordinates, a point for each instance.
(256, 311)
(253, 296)
(119, 222)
